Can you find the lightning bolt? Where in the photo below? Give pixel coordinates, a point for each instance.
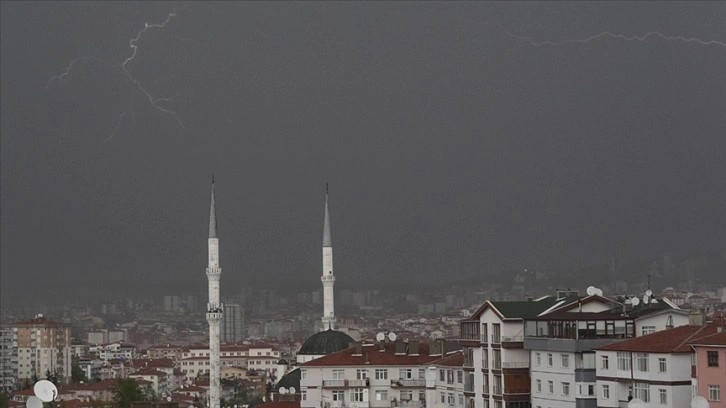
(135, 83)
(605, 34)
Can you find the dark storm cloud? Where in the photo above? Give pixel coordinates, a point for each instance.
(452, 148)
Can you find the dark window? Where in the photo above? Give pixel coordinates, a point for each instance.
(712, 358)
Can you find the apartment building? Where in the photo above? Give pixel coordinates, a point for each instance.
(261, 357)
(44, 346)
(561, 342)
(8, 359)
(655, 368)
(709, 371)
(493, 348)
(383, 374)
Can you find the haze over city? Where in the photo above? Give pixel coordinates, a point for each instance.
(458, 139)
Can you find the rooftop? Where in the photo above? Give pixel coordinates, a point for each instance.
(674, 340)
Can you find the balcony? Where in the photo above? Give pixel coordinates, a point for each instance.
(345, 383)
(515, 364)
(408, 383)
(516, 390)
(408, 404)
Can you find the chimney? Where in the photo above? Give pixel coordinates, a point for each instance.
(561, 294)
(530, 298)
(358, 348)
(669, 323)
(696, 318)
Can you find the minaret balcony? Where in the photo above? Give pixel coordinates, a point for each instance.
(327, 278)
(214, 271)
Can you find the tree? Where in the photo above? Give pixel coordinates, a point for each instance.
(4, 400)
(77, 373)
(127, 391)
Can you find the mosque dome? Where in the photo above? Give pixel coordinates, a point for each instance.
(325, 342)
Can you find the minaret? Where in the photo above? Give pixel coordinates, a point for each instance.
(214, 308)
(328, 278)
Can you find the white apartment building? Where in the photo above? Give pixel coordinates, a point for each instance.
(261, 357)
(8, 359)
(561, 341)
(655, 368)
(494, 354)
(385, 374)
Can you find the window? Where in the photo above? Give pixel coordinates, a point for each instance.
(338, 374)
(450, 376)
(303, 374)
(450, 398)
(605, 363)
(539, 385)
(381, 395)
(647, 330)
(381, 373)
(641, 361)
(361, 374)
(422, 395)
(565, 388)
(356, 395)
(538, 358)
(304, 395)
(405, 374)
(590, 389)
(606, 391)
(712, 358)
(421, 374)
(565, 360)
(714, 393)
(549, 359)
(551, 386)
(406, 395)
(663, 395)
(496, 333)
(338, 395)
(623, 361)
(497, 357)
(642, 391)
(443, 397)
(442, 375)
(461, 399)
(460, 377)
(662, 365)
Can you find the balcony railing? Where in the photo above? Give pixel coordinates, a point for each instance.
(519, 390)
(408, 383)
(334, 383)
(409, 404)
(515, 364)
(512, 339)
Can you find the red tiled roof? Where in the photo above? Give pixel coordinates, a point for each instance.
(718, 339)
(666, 341)
(154, 363)
(371, 355)
(280, 404)
(455, 359)
(148, 371)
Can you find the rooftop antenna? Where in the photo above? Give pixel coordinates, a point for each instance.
(33, 402)
(45, 390)
(699, 402)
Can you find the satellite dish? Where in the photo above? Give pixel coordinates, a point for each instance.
(283, 390)
(392, 336)
(646, 299)
(635, 301)
(598, 291)
(649, 293)
(292, 390)
(380, 336)
(699, 402)
(33, 402)
(45, 390)
(168, 399)
(636, 403)
(591, 290)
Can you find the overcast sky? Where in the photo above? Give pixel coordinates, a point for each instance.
(458, 139)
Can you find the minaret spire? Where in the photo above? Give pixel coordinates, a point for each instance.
(212, 215)
(328, 278)
(214, 308)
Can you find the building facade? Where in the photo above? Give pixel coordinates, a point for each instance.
(44, 348)
(709, 373)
